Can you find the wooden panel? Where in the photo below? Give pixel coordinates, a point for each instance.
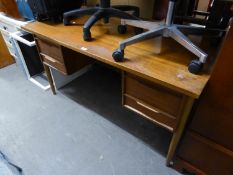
(187, 168)
(208, 146)
(208, 157)
(214, 116)
(146, 9)
(10, 8)
(54, 63)
(5, 57)
(51, 49)
(160, 9)
(149, 112)
(161, 61)
(119, 2)
(74, 61)
(154, 95)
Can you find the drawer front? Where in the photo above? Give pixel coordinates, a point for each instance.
(205, 155)
(149, 112)
(159, 97)
(54, 63)
(50, 49)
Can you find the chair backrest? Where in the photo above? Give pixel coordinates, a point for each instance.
(218, 16)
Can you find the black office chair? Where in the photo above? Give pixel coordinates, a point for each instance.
(103, 11)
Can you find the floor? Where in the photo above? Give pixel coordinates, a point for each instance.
(83, 130)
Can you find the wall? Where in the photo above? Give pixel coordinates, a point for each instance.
(203, 5)
(146, 7)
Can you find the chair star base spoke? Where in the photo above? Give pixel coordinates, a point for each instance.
(102, 12)
(167, 30)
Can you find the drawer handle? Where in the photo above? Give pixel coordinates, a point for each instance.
(49, 58)
(145, 106)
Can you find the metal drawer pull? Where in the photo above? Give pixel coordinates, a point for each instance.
(145, 106)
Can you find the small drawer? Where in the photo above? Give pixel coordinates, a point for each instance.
(149, 112)
(50, 49)
(54, 63)
(154, 95)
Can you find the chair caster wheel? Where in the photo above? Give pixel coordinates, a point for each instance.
(87, 36)
(138, 30)
(195, 66)
(38, 17)
(122, 29)
(66, 22)
(118, 55)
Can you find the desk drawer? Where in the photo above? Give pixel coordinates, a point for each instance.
(149, 112)
(153, 101)
(54, 63)
(50, 49)
(154, 95)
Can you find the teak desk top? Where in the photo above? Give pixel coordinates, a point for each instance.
(162, 61)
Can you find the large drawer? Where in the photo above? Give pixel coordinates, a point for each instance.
(146, 98)
(50, 49)
(199, 153)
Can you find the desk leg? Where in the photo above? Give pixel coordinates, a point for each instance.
(179, 131)
(50, 79)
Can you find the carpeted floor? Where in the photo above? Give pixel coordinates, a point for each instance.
(83, 130)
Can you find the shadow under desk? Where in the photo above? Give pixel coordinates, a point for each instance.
(100, 91)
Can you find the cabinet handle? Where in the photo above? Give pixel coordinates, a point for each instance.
(145, 106)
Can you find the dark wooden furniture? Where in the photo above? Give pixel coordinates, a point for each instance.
(216, 16)
(207, 147)
(5, 57)
(155, 80)
(10, 8)
(160, 9)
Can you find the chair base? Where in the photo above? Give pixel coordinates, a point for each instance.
(101, 13)
(156, 29)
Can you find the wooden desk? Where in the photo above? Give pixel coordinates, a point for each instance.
(155, 79)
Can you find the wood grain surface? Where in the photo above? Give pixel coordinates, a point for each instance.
(5, 57)
(10, 8)
(159, 60)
